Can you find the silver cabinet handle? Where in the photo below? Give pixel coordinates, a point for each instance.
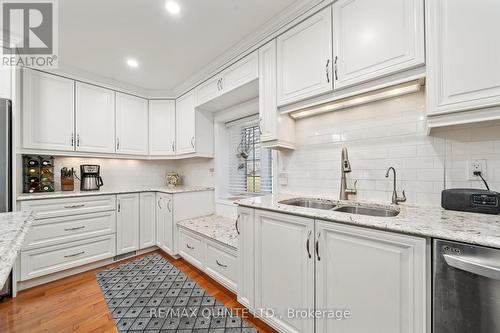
(218, 85)
(328, 71)
(72, 139)
(76, 228)
(74, 206)
(159, 203)
(192, 141)
(473, 266)
(221, 84)
(173, 146)
(307, 244)
(117, 143)
(169, 206)
(74, 255)
(78, 140)
(260, 127)
(317, 246)
(335, 68)
(221, 265)
(237, 221)
(119, 207)
(189, 247)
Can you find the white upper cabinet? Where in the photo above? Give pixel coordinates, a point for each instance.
(162, 127)
(376, 38)
(48, 111)
(131, 125)
(305, 59)
(462, 55)
(238, 74)
(278, 131)
(208, 90)
(95, 119)
(380, 277)
(186, 126)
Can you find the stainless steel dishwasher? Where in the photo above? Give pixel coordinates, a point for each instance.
(466, 288)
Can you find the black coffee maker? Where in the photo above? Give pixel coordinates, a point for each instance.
(90, 178)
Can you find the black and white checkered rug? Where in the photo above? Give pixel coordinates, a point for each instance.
(152, 295)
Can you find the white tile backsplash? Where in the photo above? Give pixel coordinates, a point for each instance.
(119, 172)
(383, 134)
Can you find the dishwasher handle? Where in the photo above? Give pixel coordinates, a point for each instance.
(472, 266)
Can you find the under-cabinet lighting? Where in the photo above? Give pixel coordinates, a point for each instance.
(173, 7)
(358, 100)
(132, 63)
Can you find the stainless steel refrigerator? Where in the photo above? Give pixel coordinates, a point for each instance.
(5, 169)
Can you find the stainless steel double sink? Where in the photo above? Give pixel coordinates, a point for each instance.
(359, 209)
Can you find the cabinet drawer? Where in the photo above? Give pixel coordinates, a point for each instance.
(59, 230)
(69, 206)
(191, 248)
(52, 259)
(221, 265)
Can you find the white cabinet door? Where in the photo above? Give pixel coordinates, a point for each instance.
(462, 55)
(127, 223)
(5, 82)
(246, 257)
(186, 124)
(208, 90)
(284, 270)
(48, 111)
(376, 38)
(162, 127)
(95, 119)
(131, 125)
(147, 229)
(164, 222)
(244, 71)
(305, 59)
(379, 277)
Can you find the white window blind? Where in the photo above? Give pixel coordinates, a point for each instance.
(250, 165)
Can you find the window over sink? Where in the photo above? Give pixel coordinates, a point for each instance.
(250, 165)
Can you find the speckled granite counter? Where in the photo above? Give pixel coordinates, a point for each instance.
(13, 230)
(221, 229)
(479, 229)
(112, 190)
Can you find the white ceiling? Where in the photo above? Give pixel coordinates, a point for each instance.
(97, 36)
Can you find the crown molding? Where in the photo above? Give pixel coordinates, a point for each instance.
(289, 17)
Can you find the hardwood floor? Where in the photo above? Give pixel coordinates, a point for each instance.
(76, 304)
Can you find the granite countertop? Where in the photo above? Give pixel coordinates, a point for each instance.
(472, 228)
(219, 228)
(13, 230)
(112, 190)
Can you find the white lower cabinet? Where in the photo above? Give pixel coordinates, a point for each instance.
(52, 259)
(192, 248)
(369, 280)
(147, 232)
(246, 257)
(165, 223)
(127, 223)
(378, 277)
(221, 264)
(284, 271)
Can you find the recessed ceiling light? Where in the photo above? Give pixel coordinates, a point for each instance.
(172, 7)
(132, 63)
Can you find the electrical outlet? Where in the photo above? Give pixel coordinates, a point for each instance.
(475, 166)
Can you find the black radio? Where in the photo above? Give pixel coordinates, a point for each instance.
(471, 200)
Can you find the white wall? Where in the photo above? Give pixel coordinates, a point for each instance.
(383, 134)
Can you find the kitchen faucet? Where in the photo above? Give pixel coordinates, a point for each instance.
(395, 198)
(345, 168)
